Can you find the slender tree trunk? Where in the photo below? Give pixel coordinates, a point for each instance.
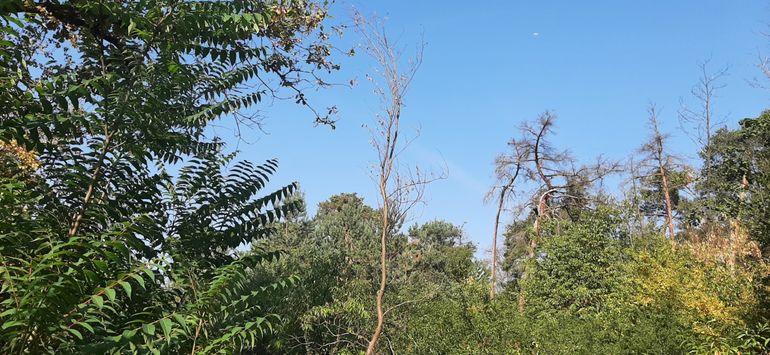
(383, 269)
(667, 196)
(500, 206)
(349, 245)
(494, 242)
(707, 147)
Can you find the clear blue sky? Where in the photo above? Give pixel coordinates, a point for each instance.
(596, 64)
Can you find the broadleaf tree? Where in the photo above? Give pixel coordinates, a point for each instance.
(120, 213)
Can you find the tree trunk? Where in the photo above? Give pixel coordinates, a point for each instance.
(669, 211)
(494, 242)
(383, 271)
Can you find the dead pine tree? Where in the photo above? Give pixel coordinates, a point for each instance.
(548, 181)
(661, 167)
(399, 189)
(552, 173)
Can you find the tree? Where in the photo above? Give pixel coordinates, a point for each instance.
(398, 192)
(735, 188)
(98, 99)
(661, 169)
(558, 282)
(441, 253)
(559, 182)
(333, 254)
(702, 117)
(559, 186)
(108, 290)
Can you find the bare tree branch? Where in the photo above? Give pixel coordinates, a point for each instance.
(699, 122)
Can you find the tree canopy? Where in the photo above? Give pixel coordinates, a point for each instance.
(126, 226)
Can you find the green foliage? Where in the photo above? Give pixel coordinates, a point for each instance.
(755, 340)
(736, 185)
(330, 310)
(593, 288)
(575, 267)
(652, 201)
(598, 284)
(333, 255)
(101, 249)
(121, 219)
(462, 321)
(439, 252)
(97, 293)
(518, 236)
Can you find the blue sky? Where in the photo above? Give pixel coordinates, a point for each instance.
(490, 65)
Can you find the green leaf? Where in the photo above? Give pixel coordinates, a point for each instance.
(138, 279)
(110, 292)
(131, 27)
(126, 286)
(150, 274)
(179, 319)
(86, 326)
(8, 313)
(128, 334)
(76, 333)
(98, 301)
(10, 324)
(148, 329)
(165, 325)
